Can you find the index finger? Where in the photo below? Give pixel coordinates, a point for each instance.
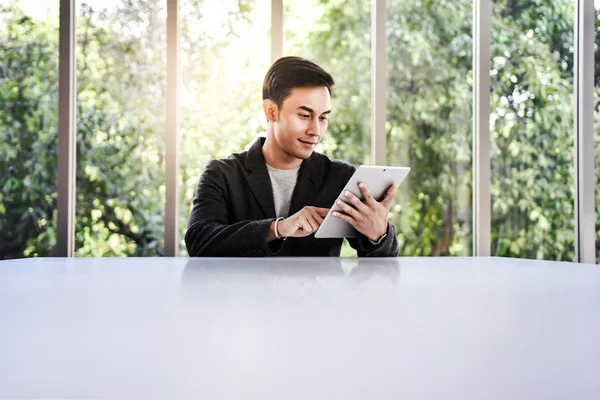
(315, 215)
(321, 211)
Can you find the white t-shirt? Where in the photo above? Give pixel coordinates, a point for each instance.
(283, 182)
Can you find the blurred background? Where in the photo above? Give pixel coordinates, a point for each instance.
(224, 55)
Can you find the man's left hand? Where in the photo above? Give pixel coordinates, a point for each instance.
(369, 217)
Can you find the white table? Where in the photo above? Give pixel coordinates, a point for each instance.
(406, 328)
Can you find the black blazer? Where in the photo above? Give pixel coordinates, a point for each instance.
(233, 209)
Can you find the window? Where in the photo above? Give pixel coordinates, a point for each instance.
(429, 124)
(28, 128)
(337, 36)
(225, 52)
(121, 73)
(532, 130)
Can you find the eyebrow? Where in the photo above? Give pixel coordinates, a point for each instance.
(310, 110)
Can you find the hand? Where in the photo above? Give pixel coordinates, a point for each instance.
(369, 216)
(303, 223)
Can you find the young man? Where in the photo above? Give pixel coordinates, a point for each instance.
(269, 200)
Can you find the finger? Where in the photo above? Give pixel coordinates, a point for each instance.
(348, 209)
(389, 196)
(369, 200)
(316, 217)
(321, 211)
(314, 222)
(356, 202)
(304, 224)
(345, 217)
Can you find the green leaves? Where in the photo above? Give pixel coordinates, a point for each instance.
(120, 125)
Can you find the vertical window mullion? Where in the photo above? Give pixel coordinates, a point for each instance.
(585, 217)
(378, 81)
(172, 133)
(276, 29)
(66, 131)
(482, 20)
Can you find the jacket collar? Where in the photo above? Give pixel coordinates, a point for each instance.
(310, 177)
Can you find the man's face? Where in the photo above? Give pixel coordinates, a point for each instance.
(302, 121)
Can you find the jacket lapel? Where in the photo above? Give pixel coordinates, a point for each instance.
(308, 184)
(310, 178)
(258, 178)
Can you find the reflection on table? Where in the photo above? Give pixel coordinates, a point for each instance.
(415, 328)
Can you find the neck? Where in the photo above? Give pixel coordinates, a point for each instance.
(275, 156)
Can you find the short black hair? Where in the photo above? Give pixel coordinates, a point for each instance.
(291, 72)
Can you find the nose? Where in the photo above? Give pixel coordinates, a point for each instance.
(313, 127)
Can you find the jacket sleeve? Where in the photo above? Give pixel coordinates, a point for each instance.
(208, 232)
(387, 248)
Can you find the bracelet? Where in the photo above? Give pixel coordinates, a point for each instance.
(375, 243)
(378, 241)
(275, 229)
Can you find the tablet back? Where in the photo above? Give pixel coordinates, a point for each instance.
(378, 179)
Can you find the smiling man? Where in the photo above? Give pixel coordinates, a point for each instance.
(271, 199)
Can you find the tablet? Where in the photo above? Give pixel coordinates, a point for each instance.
(378, 179)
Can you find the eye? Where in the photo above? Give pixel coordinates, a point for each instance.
(324, 118)
(304, 115)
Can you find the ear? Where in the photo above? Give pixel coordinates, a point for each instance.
(271, 110)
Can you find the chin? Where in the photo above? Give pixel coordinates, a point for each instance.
(303, 155)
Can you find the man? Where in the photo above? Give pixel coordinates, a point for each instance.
(271, 199)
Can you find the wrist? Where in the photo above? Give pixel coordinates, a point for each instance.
(277, 229)
(378, 238)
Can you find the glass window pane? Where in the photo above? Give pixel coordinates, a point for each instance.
(225, 53)
(429, 124)
(337, 36)
(532, 130)
(121, 72)
(28, 128)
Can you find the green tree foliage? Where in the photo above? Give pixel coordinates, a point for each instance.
(429, 119)
(121, 63)
(28, 135)
(429, 123)
(120, 130)
(532, 129)
(224, 56)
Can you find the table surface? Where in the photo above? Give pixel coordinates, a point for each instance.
(410, 328)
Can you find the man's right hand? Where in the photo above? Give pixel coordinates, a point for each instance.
(304, 223)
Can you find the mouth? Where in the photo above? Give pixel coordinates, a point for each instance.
(308, 143)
